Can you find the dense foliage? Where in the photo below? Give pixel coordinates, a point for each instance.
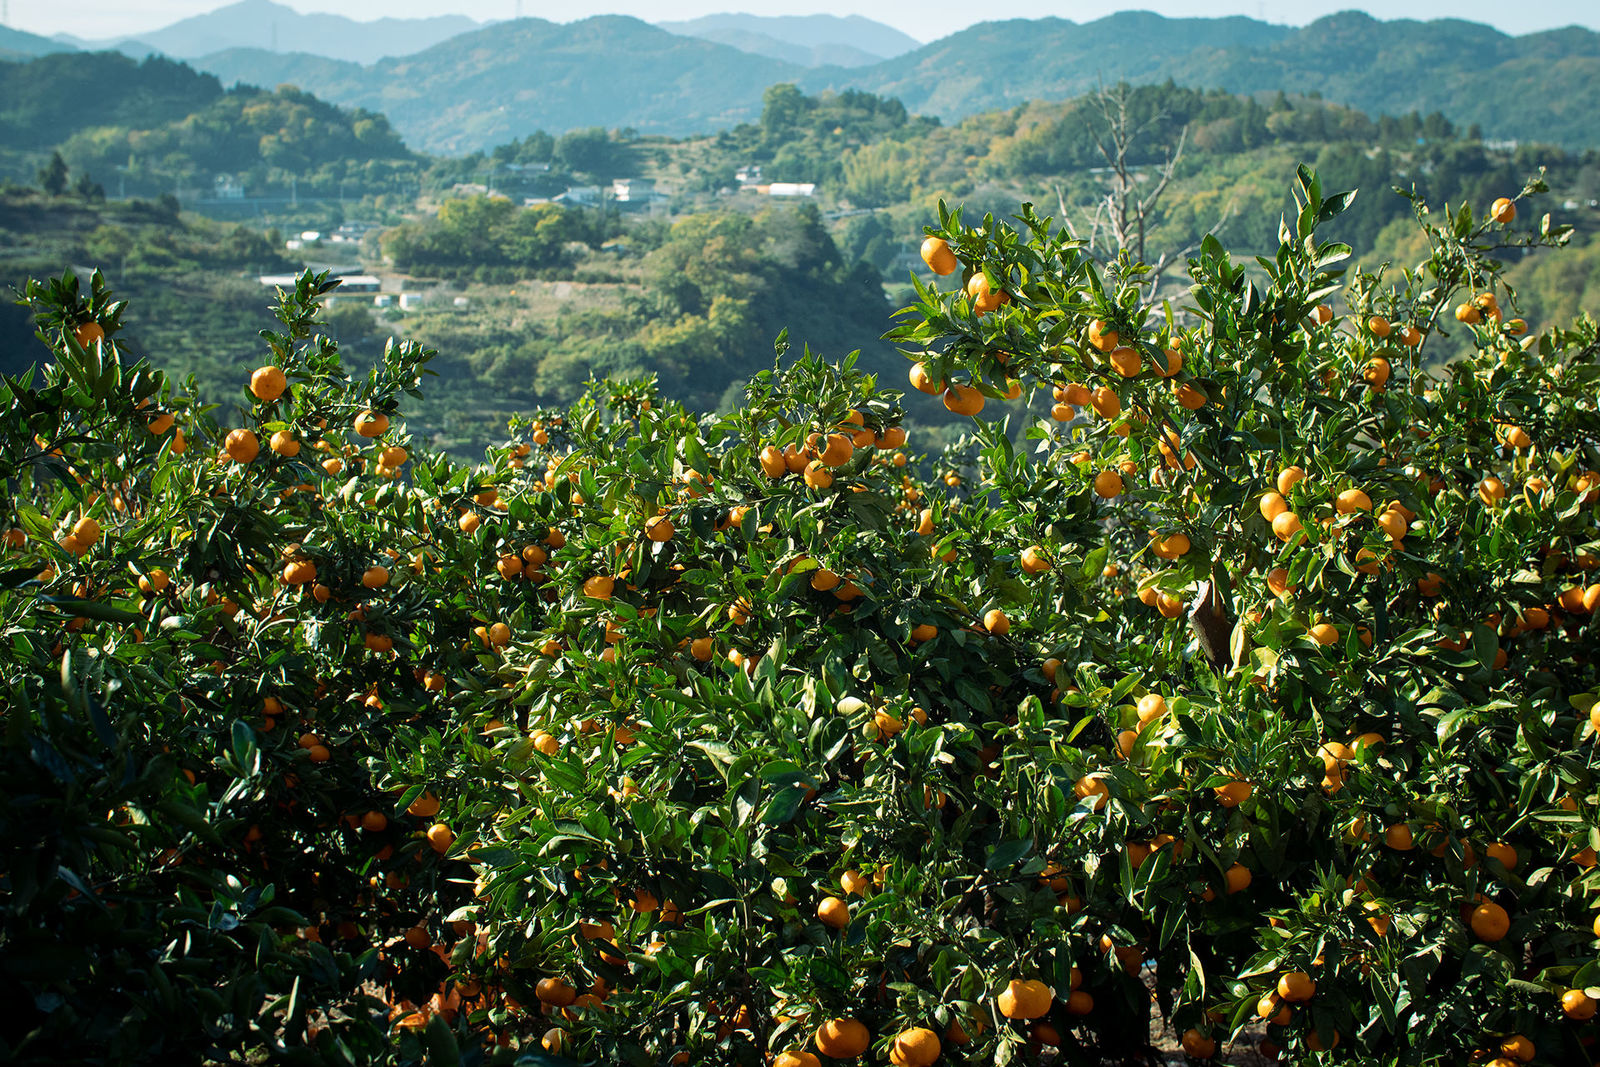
(262, 140)
(46, 100)
(712, 290)
(1263, 678)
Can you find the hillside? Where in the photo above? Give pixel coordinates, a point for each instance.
(1471, 72)
(491, 85)
(16, 43)
(1000, 64)
(486, 87)
(262, 139)
(808, 40)
(47, 100)
(264, 24)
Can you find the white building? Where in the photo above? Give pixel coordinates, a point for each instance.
(410, 301)
(633, 190)
(585, 195)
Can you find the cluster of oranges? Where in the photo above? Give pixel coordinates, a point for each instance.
(753, 737)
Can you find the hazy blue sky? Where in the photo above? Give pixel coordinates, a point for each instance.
(923, 19)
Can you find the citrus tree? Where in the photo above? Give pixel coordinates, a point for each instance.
(1251, 692)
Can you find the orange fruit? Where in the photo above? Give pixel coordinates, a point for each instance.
(1233, 794)
(796, 1058)
(599, 587)
(1351, 501)
(1126, 361)
(1379, 326)
(842, 1039)
(1238, 878)
(916, 1047)
(1503, 210)
(923, 381)
(88, 333)
(1108, 484)
(1517, 1047)
(1025, 998)
(1296, 987)
(375, 577)
(1198, 1044)
(984, 298)
(1188, 396)
(1576, 1004)
(1272, 505)
(1286, 525)
(937, 255)
(1102, 336)
(371, 423)
(299, 572)
(772, 463)
(268, 383)
(555, 991)
(241, 445)
(963, 400)
(1399, 838)
(1490, 922)
(1278, 583)
(996, 622)
(440, 837)
(659, 529)
(834, 913)
(1506, 854)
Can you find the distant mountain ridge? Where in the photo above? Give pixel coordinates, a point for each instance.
(484, 88)
(20, 44)
(809, 40)
(1466, 70)
(276, 27)
(502, 81)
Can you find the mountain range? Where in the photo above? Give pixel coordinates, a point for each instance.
(493, 83)
(280, 28)
(809, 40)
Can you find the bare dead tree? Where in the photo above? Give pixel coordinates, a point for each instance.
(1123, 218)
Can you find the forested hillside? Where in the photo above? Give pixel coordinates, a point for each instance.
(45, 100)
(1538, 87)
(261, 138)
(491, 85)
(527, 302)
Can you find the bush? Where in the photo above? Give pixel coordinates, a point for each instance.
(662, 738)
